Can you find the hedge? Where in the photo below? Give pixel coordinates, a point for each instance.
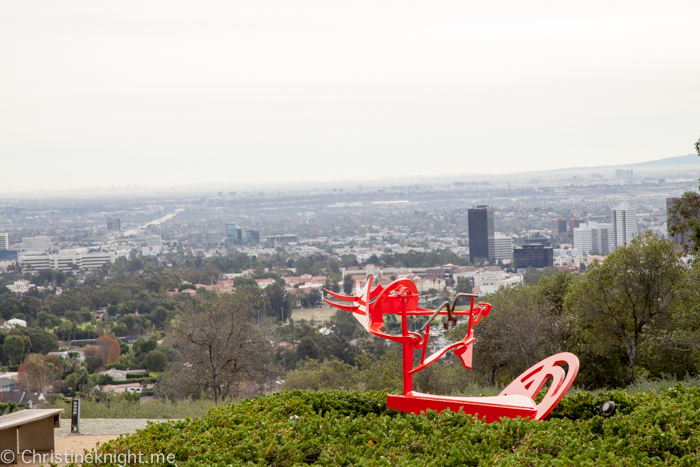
(9, 407)
(351, 428)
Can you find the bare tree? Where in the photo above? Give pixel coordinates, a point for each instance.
(218, 347)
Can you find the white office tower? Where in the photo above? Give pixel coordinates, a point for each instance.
(4, 241)
(154, 240)
(38, 244)
(624, 224)
(503, 246)
(593, 238)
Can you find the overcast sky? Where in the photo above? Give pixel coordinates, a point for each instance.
(96, 93)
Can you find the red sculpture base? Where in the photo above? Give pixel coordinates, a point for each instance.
(516, 400)
(492, 408)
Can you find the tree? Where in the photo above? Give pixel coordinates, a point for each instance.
(15, 348)
(40, 341)
(630, 295)
(110, 349)
(344, 325)
(314, 297)
(280, 303)
(684, 221)
(464, 285)
(521, 330)
(9, 307)
(348, 284)
(217, 347)
(36, 373)
(155, 361)
(159, 317)
(532, 275)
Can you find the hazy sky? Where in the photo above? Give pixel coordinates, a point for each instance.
(96, 93)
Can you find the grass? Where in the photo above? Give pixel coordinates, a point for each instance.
(317, 314)
(150, 409)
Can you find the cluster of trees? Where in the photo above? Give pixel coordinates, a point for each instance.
(635, 314)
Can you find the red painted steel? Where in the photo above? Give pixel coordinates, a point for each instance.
(400, 298)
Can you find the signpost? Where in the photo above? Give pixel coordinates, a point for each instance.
(75, 416)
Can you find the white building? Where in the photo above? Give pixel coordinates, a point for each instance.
(20, 286)
(4, 241)
(13, 323)
(67, 260)
(489, 279)
(567, 252)
(624, 224)
(593, 238)
(154, 240)
(150, 250)
(39, 244)
(503, 246)
(423, 285)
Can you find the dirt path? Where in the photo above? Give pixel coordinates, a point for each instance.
(67, 446)
(92, 431)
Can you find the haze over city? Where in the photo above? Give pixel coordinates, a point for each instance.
(171, 93)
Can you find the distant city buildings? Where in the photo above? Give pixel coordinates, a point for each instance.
(594, 238)
(575, 222)
(534, 254)
(621, 174)
(624, 224)
(503, 246)
(8, 255)
(234, 234)
(114, 223)
(558, 226)
(154, 240)
(36, 244)
(67, 260)
(204, 239)
(287, 238)
(4, 241)
(481, 233)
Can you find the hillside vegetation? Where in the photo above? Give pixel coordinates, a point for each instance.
(352, 428)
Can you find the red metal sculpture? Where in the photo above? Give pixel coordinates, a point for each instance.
(401, 298)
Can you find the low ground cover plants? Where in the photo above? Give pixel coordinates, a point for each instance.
(352, 428)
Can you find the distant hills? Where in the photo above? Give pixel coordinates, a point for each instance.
(688, 165)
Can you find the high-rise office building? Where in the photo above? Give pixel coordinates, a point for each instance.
(481, 233)
(624, 220)
(594, 238)
(535, 254)
(621, 174)
(503, 246)
(234, 234)
(575, 222)
(114, 223)
(558, 226)
(4, 241)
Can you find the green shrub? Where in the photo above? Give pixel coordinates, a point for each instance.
(9, 407)
(352, 428)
